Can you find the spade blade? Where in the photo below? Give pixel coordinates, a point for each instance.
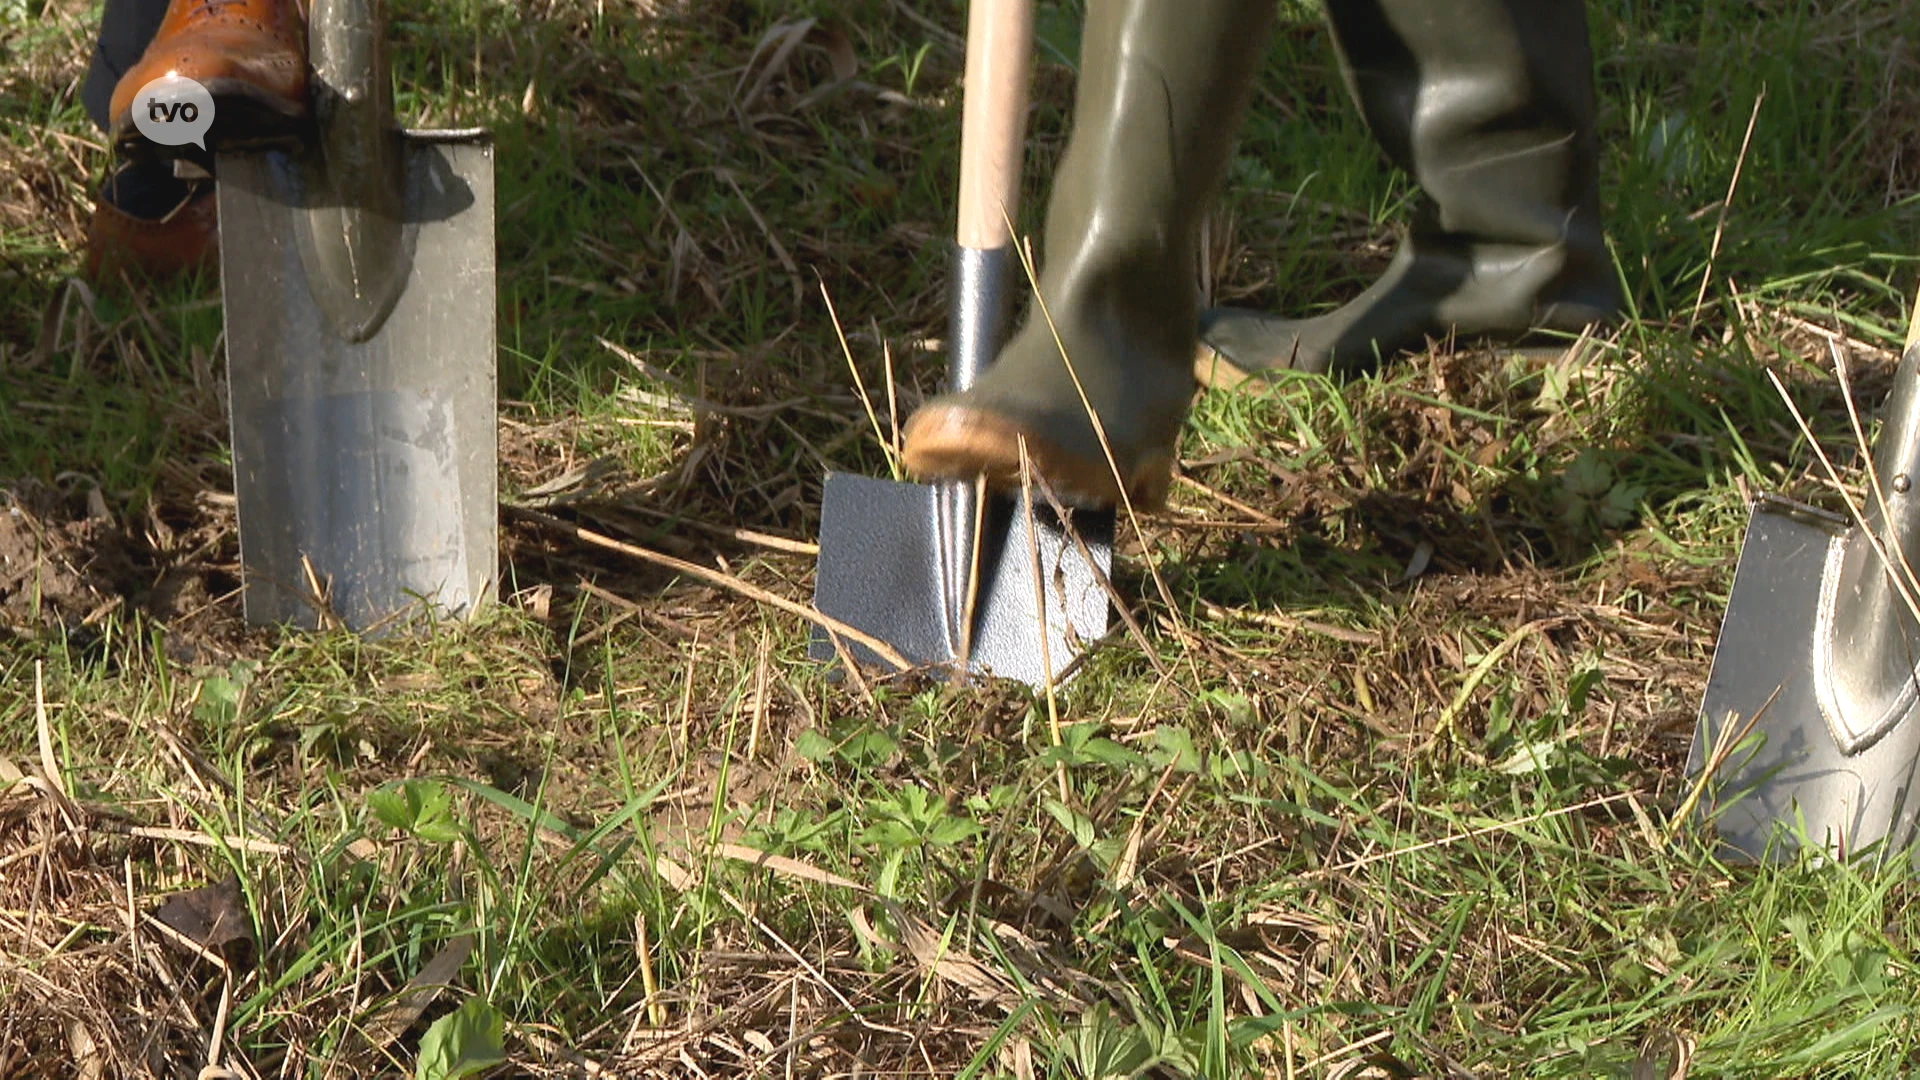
(1784, 763)
(365, 468)
(896, 559)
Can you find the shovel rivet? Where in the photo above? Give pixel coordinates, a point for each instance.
(1902, 483)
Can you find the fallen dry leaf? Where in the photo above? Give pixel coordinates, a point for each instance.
(211, 916)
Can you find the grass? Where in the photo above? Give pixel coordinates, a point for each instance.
(1389, 791)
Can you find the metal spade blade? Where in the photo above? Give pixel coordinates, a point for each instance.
(895, 560)
(357, 279)
(1811, 704)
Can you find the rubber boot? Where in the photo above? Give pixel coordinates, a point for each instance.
(1162, 87)
(1489, 105)
(251, 55)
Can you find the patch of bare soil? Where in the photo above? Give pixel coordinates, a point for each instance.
(68, 563)
(58, 571)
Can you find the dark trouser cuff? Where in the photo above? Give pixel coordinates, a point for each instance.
(126, 26)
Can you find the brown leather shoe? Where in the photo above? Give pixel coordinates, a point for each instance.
(152, 230)
(251, 55)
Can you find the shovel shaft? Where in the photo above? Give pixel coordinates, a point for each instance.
(992, 141)
(355, 244)
(981, 311)
(348, 56)
(992, 148)
(993, 121)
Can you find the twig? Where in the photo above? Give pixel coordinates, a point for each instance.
(773, 239)
(53, 785)
(49, 765)
(1719, 228)
(859, 384)
(553, 1049)
(1278, 621)
(682, 879)
(1503, 826)
(951, 41)
(649, 985)
(1106, 580)
(781, 864)
(759, 695)
(970, 606)
(1229, 501)
(1831, 336)
(1905, 570)
(893, 397)
(726, 581)
(214, 1070)
(1040, 612)
(682, 396)
(753, 537)
(1900, 581)
(1113, 465)
(405, 1008)
(1724, 742)
(1349, 1049)
(202, 839)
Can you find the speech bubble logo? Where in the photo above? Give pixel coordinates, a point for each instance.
(174, 110)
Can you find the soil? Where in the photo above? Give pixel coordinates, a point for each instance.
(59, 573)
(67, 563)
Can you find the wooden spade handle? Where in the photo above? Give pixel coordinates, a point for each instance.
(994, 120)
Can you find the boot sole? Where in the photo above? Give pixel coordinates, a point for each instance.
(245, 118)
(1213, 371)
(945, 443)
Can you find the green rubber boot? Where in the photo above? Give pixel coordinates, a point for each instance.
(1162, 87)
(1489, 105)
